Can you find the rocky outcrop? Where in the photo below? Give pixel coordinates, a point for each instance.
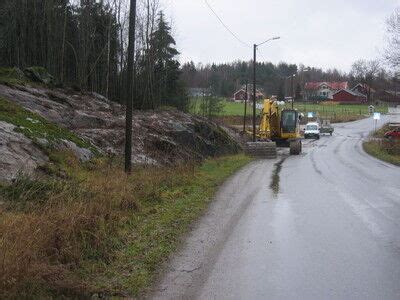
(159, 137)
(18, 154)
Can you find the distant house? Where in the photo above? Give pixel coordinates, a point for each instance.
(388, 96)
(240, 95)
(349, 96)
(365, 89)
(316, 91)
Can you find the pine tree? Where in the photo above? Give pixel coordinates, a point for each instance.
(298, 92)
(281, 95)
(168, 87)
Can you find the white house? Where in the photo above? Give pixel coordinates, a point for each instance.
(323, 90)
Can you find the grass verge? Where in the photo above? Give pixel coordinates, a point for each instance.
(388, 151)
(100, 231)
(381, 148)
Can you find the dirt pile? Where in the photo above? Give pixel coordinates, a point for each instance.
(159, 137)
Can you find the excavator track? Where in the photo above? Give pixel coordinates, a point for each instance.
(295, 147)
(266, 150)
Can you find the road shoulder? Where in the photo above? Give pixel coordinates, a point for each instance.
(189, 268)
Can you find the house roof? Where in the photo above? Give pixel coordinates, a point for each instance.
(351, 92)
(250, 92)
(239, 91)
(364, 86)
(333, 85)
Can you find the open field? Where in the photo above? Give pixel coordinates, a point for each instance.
(332, 111)
(229, 108)
(97, 230)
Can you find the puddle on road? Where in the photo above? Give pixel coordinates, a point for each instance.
(276, 178)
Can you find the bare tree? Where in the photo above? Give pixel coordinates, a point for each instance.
(392, 51)
(366, 71)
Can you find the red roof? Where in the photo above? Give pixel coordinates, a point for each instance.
(333, 85)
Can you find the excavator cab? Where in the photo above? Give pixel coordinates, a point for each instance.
(289, 122)
(290, 130)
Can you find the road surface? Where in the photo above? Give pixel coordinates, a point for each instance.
(324, 225)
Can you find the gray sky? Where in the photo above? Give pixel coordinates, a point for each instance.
(317, 33)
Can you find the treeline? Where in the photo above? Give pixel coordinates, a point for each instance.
(225, 79)
(83, 44)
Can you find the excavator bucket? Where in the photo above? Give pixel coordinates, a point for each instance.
(265, 150)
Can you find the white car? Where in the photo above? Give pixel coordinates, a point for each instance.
(312, 131)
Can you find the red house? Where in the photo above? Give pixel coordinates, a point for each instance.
(349, 96)
(240, 95)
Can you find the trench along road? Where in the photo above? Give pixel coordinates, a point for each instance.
(323, 225)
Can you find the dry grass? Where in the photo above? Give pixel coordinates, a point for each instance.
(43, 242)
(76, 236)
(347, 118)
(385, 150)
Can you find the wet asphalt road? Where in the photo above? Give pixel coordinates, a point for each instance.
(327, 227)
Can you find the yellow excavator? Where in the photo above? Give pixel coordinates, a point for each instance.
(278, 128)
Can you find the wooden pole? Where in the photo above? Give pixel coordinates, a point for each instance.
(245, 107)
(254, 92)
(130, 89)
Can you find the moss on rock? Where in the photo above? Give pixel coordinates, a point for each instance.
(44, 133)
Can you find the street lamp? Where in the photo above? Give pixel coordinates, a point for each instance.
(292, 87)
(254, 82)
(292, 84)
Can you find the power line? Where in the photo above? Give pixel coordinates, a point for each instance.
(225, 26)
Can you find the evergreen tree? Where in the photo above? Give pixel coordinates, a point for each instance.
(169, 89)
(281, 94)
(298, 92)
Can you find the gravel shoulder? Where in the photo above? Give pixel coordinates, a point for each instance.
(189, 268)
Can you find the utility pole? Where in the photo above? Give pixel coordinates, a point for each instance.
(130, 89)
(254, 83)
(254, 92)
(245, 106)
(292, 87)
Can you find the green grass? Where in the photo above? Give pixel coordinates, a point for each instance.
(229, 108)
(337, 110)
(382, 152)
(381, 148)
(236, 109)
(333, 111)
(158, 229)
(35, 127)
(12, 76)
(100, 231)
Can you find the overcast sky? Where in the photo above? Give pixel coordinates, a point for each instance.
(317, 33)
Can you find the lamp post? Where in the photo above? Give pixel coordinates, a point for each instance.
(254, 82)
(292, 84)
